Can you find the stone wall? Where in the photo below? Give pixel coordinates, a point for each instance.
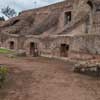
(6, 39)
(49, 44)
(57, 6)
(86, 44)
(51, 47)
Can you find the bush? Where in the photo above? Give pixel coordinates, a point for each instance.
(3, 74)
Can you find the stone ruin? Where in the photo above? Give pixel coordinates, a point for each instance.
(59, 30)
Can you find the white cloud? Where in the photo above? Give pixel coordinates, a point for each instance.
(20, 5)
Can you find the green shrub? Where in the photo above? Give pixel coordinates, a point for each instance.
(3, 74)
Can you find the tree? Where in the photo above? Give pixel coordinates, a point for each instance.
(9, 12)
(2, 18)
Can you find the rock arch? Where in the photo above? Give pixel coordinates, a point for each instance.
(13, 42)
(32, 42)
(56, 46)
(90, 3)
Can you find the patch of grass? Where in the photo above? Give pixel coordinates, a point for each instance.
(5, 51)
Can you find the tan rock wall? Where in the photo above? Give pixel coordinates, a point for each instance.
(86, 44)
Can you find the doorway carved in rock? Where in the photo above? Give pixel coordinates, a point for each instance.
(33, 49)
(11, 45)
(64, 48)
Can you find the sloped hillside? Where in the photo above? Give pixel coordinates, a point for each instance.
(28, 24)
(34, 22)
(50, 21)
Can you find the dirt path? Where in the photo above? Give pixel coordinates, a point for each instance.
(46, 79)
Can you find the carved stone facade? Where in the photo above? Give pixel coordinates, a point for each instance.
(56, 30)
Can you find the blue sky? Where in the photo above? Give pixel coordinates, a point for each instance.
(20, 5)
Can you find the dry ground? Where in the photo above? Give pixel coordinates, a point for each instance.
(46, 79)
